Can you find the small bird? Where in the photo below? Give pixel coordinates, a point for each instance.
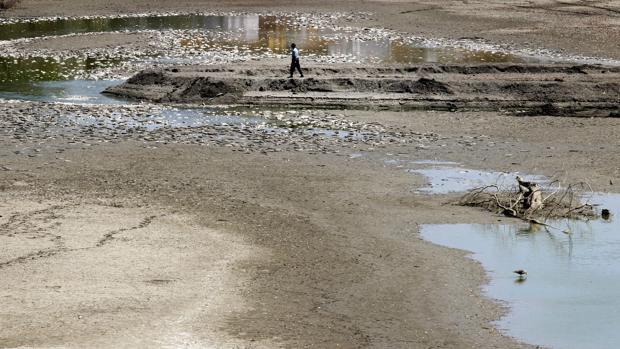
(521, 272)
(524, 187)
(605, 214)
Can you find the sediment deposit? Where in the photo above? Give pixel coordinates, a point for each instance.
(570, 90)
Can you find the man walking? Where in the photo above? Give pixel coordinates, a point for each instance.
(295, 62)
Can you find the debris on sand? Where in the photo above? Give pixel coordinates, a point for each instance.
(531, 202)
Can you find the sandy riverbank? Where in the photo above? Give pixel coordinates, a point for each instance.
(307, 244)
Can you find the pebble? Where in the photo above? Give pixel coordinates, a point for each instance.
(87, 125)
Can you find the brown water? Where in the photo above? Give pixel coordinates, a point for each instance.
(277, 33)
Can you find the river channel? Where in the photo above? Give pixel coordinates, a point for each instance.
(568, 299)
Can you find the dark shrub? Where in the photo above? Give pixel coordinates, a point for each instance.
(5, 4)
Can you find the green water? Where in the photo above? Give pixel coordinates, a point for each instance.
(95, 25)
(14, 70)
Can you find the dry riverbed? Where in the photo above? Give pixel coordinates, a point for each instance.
(128, 239)
(143, 225)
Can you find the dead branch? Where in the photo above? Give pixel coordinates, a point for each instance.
(530, 202)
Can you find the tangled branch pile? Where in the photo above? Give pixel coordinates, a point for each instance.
(529, 201)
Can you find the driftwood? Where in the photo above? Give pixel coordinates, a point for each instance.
(531, 202)
(531, 193)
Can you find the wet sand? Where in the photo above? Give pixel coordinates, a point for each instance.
(116, 238)
(264, 248)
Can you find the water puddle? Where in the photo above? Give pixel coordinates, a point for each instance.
(27, 69)
(65, 26)
(448, 179)
(71, 91)
(434, 162)
(158, 118)
(570, 296)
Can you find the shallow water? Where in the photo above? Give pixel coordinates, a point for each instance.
(249, 35)
(274, 33)
(195, 117)
(71, 91)
(23, 70)
(449, 179)
(266, 32)
(159, 118)
(570, 297)
(435, 162)
(103, 24)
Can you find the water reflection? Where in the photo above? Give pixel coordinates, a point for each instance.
(72, 91)
(445, 180)
(569, 299)
(272, 33)
(264, 33)
(157, 119)
(250, 34)
(13, 70)
(275, 34)
(94, 25)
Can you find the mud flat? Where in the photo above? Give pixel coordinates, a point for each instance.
(530, 89)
